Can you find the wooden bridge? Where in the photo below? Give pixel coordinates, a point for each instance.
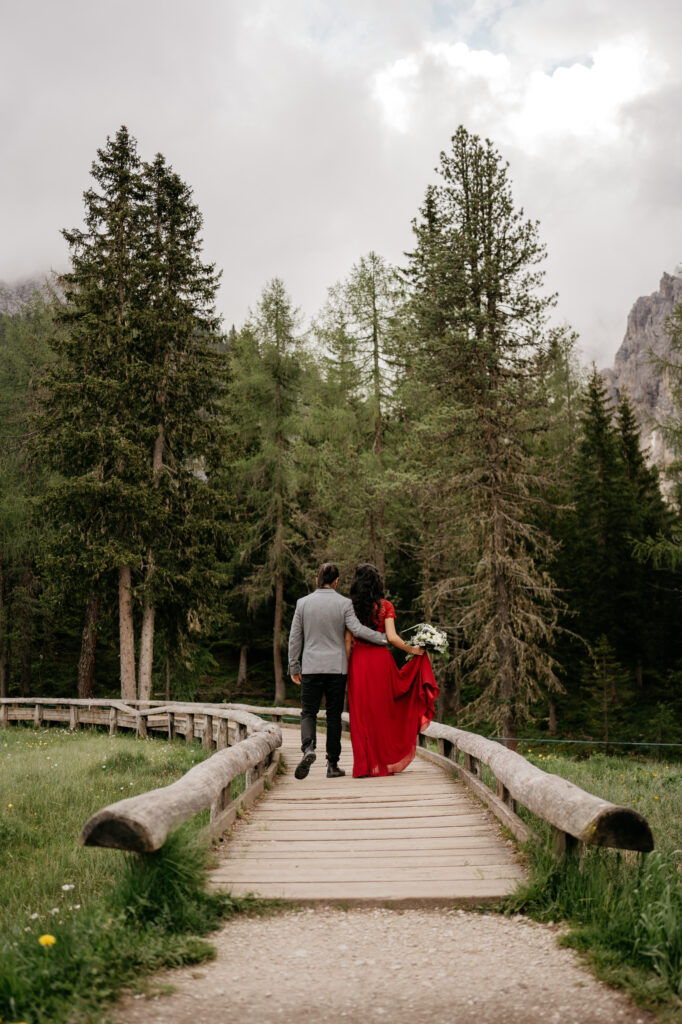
(435, 833)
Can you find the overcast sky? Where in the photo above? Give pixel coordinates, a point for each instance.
(309, 130)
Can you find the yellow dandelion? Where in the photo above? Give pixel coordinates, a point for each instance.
(10, 805)
(47, 940)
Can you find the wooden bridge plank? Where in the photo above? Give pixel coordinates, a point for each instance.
(411, 837)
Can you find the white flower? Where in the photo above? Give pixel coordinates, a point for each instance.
(33, 917)
(68, 888)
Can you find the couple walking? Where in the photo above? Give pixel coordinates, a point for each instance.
(333, 637)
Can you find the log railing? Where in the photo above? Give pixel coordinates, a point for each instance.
(575, 815)
(245, 743)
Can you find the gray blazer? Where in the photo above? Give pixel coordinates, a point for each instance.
(318, 629)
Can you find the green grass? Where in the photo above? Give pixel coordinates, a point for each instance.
(625, 909)
(113, 916)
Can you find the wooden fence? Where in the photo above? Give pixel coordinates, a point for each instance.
(246, 743)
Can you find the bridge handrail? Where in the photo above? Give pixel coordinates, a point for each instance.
(575, 815)
(142, 823)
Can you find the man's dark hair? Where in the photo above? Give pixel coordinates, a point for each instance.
(327, 574)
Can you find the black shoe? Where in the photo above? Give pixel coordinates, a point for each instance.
(333, 770)
(303, 767)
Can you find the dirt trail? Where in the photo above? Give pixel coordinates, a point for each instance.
(366, 966)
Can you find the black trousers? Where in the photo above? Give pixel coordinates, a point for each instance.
(313, 688)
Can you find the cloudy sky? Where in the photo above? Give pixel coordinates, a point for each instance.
(309, 130)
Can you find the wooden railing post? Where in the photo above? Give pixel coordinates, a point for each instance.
(113, 721)
(207, 737)
(142, 726)
(38, 715)
(506, 796)
(73, 717)
(565, 844)
(4, 716)
(189, 729)
(170, 722)
(219, 805)
(222, 740)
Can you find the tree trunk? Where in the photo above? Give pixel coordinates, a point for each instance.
(3, 644)
(280, 686)
(505, 662)
(26, 634)
(148, 615)
(144, 676)
(241, 674)
(552, 724)
(86, 662)
(126, 634)
(380, 547)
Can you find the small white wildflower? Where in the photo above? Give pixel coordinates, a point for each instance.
(33, 917)
(68, 887)
(55, 910)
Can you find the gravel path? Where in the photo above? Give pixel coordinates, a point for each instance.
(366, 966)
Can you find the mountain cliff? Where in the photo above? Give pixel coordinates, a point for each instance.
(633, 370)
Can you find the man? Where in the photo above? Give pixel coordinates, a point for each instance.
(318, 629)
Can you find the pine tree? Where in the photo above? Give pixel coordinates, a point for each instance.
(480, 327)
(181, 364)
(127, 413)
(615, 503)
(264, 405)
(357, 331)
(24, 354)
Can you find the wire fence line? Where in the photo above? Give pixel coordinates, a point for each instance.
(590, 743)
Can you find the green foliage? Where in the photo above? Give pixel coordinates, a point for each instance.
(431, 421)
(625, 909)
(480, 338)
(124, 915)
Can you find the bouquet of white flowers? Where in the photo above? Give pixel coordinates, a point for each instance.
(430, 637)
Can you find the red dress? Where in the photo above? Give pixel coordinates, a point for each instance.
(388, 706)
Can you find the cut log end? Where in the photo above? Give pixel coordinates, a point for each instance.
(622, 828)
(117, 833)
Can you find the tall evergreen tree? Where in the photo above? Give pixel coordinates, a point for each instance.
(126, 415)
(357, 330)
(24, 354)
(264, 403)
(181, 364)
(480, 324)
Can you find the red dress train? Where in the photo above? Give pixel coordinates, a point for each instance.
(388, 706)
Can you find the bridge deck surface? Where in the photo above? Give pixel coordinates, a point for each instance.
(413, 838)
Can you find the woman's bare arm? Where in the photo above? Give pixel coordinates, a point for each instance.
(397, 641)
(348, 640)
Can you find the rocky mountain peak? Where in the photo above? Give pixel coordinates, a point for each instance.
(635, 372)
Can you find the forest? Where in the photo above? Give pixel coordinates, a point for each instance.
(168, 487)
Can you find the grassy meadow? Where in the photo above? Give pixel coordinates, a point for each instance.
(624, 908)
(78, 923)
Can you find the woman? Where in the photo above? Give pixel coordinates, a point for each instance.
(388, 706)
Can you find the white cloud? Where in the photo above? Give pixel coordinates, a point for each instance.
(309, 130)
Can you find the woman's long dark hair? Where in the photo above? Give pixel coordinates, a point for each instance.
(366, 592)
